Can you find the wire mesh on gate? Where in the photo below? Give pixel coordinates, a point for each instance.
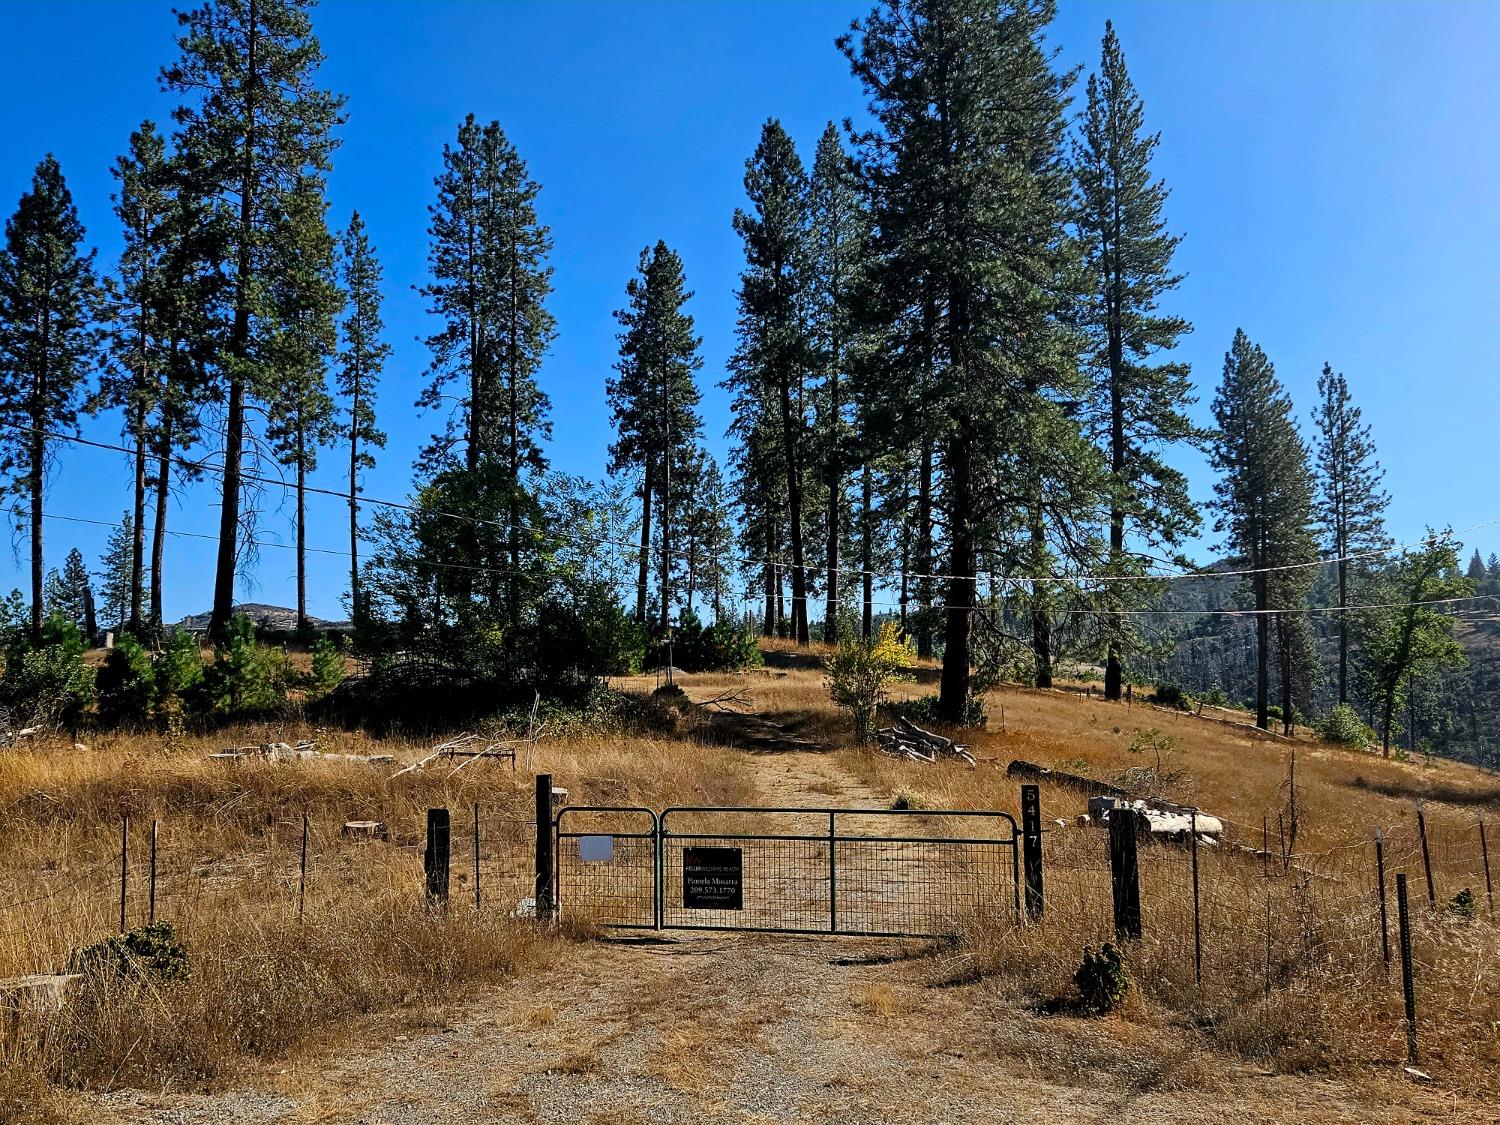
(605, 862)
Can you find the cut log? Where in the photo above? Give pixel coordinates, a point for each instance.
(365, 830)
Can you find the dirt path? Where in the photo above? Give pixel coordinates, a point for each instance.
(749, 1028)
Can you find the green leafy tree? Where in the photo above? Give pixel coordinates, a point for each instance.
(490, 283)
(304, 299)
(654, 398)
(361, 361)
(255, 129)
(1264, 492)
(772, 361)
(1350, 502)
(48, 298)
(1414, 636)
(1128, 256)
(972, 265)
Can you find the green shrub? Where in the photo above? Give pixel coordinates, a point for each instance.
(1343, 727)
(1464, 905)
(179, 671)
(244, 679)
(1214, 697)
(1172, 695)
(152, 951)
(48, 683)
(583, 633)
(860, 672)
(721, 647)
(1101, 979)
(126, 684)
(923, 709)
(328, 664)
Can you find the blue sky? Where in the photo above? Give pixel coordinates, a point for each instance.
(1333, 167)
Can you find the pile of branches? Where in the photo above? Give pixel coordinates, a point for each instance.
(909, 741)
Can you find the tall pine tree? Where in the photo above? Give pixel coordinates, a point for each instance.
(1264, 492)
(654, 399)
(1350, 502)
(772, 361)
(970, 195)
(48, 298)
(361, 361)
(255, 128)
(1143, 398)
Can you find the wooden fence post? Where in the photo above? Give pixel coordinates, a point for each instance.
(1426, 855)
(435, 859)
(1197, 917)
(1031, 848)
(545, 907)
(1385, 917)
(1125, 876)
(1406, 982)
(124, 865)
(1484, 850)
(151, 908)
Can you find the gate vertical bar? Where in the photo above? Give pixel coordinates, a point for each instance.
(833, 886)
(1031, 842)
(545, 906)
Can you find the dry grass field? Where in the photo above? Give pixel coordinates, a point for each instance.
(369, 1008)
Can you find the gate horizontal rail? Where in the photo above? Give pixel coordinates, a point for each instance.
(845, 879)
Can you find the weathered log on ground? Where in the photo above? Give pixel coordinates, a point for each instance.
(907, 740)
(1034, 772)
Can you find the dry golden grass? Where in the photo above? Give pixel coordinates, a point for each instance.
(263, 984)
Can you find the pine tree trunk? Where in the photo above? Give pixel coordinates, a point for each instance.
(514, 592)
(302, 624)
(789, 441)
(1041, 624)
(239, 349)
(924, 554)
(768, 575)
(159, 531)
(38, 466)
(835, 484)
(1343, 627)
(138, 536)
(643, 574)
(866, 555)
(953, 692)
(666, 541)
(1262, 656)
(356, 610)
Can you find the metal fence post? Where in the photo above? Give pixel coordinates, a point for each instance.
(1125, 876)
(124, 865)
(545, 907)
(476, 854)
(1385, 917)
(435, 859)
(1406, 982)
(1484, 850)
(302, 875)
(151, 908)
(1031, 844)
(1426, 855)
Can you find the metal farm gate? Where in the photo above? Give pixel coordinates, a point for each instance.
(858, 872)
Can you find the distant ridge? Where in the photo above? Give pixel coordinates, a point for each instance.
(274, 618)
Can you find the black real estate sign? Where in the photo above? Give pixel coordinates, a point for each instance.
(712, 879)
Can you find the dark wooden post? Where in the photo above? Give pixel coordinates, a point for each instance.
(545, 906)
(124, 865)
(476, 853)
(1385, 917)
(1197, 918)
(151, 908)
(435, 859)
(302, 875)
(1426, 855)
(1484, 850)
(1408, 992)
(1125, 876)
(1031, 847)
